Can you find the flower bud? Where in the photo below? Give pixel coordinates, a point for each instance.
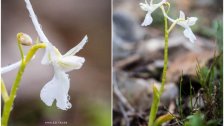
(24, 39)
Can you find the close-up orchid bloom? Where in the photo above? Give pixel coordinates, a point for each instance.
(149, 8)
(57, 88)
(185, 23)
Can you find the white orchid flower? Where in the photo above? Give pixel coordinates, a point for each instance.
(57, 88)
(185, 23)
(149, 8)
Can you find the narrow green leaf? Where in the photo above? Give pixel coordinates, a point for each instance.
(164, 118)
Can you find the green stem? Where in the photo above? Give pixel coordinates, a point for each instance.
(5, 95)
(8, 105)
(20, 49)
(156, 100)
(165, 56)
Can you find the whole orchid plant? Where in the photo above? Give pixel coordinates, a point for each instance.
(57, 88)
(186, 23)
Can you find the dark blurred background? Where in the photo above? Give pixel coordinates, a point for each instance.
(65, 23)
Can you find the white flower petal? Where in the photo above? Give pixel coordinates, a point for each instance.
(191, 21)
(189, 34)
(155, 6)
(47, 55)
(182, 15)
(48, 92)
(46, 58)
(51, 54)
(12, 66)
(36, 24)
(77, 48)
(69, 63)
(148, 19)
(144, 6)
(57, 89)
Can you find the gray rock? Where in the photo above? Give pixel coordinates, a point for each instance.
(126, 33)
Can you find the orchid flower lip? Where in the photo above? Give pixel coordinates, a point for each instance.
(57, 89)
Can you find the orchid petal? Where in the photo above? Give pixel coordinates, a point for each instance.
(36, 24)
(155, 6)
(182, 15)
(191, 21)
(148, 19)
(189, 34)
(144, 7)
(69, 63)
(51, 53)
(46, 58)
(57, 89)
(77, 48)
(12, 66)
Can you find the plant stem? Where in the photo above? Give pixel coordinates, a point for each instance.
(9, 104)
(5, 95)
(165, 55)
(20, 49)
(155, 103)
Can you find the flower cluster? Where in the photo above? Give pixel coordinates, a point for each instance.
(182, 20)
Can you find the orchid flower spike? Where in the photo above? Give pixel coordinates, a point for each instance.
(57, 89)
(149, 8)
(185, 23)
